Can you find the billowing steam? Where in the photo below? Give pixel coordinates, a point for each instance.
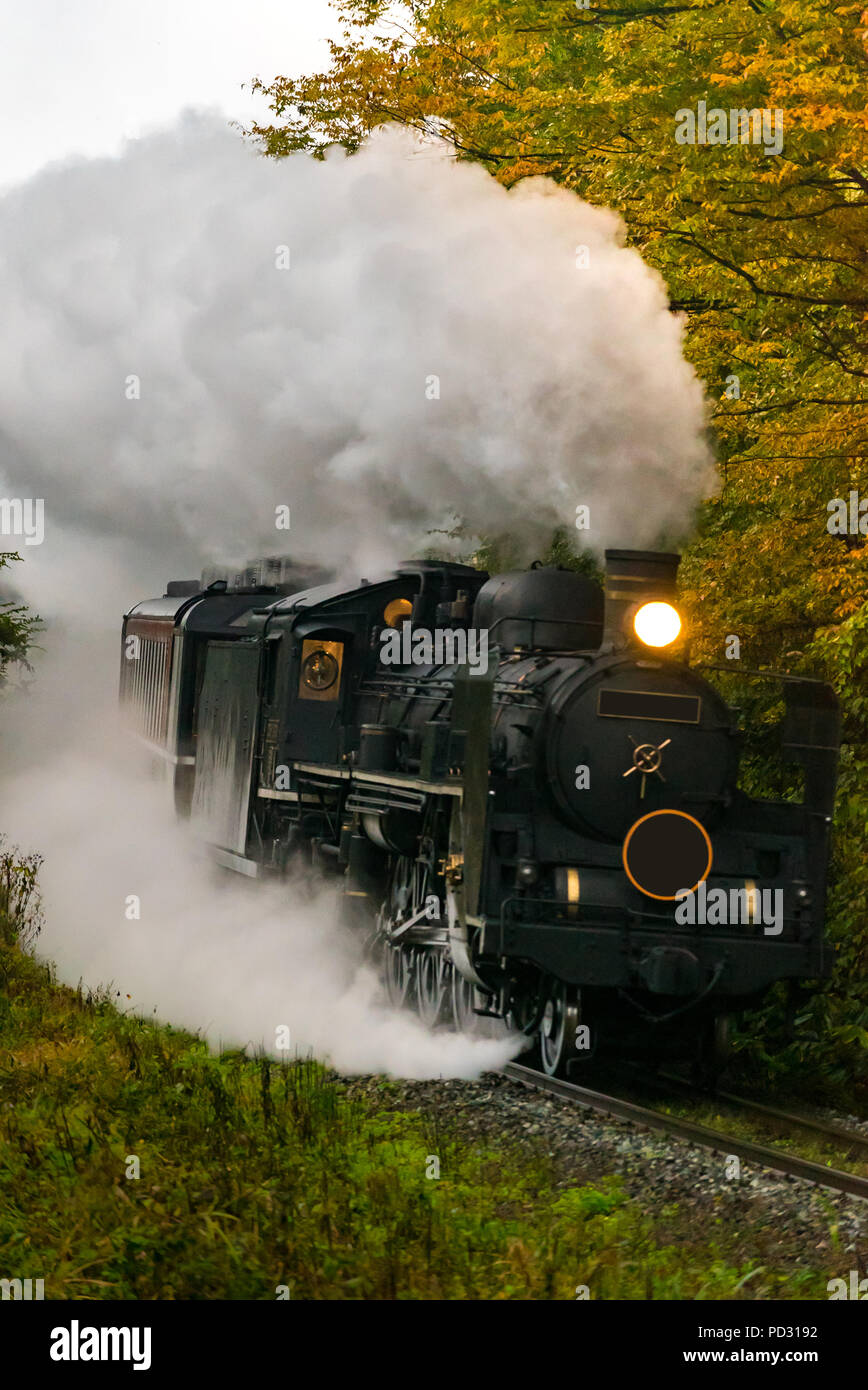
(377, 342)
(196, 339)
(130, 904)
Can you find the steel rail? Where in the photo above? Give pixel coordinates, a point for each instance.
(843, 1137)
(680, 1128)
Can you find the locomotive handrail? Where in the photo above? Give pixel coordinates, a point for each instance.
(451, 786)
(762, 675)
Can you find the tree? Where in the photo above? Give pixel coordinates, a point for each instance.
(17, 627)
(764, 252)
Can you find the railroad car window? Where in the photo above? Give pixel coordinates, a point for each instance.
(646, 704)
(146, 687)
(320, 676)
(398, 611)
(270, 684)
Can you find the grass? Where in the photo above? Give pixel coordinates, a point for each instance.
(256, 1176)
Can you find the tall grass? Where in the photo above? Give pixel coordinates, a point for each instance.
(258, 1179)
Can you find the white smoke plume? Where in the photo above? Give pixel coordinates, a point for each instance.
(200, 947)
(312, 386)
(194, 337)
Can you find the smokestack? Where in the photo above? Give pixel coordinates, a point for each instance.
(634, 577)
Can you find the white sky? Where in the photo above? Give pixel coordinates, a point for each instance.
(79, 76)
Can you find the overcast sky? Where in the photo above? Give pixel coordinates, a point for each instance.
(79, 76)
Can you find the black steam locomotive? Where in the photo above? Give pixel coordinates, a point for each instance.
(530, 797)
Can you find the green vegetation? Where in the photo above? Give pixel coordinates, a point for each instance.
(255, 1175)
(17, 628)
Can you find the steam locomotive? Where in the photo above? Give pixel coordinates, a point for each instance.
(529, 796)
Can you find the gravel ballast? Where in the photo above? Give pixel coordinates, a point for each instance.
(778, 1217)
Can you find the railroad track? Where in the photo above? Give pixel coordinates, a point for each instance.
(716, 1140)
(843, 1138)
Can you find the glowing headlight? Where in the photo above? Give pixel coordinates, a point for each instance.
(657, 624)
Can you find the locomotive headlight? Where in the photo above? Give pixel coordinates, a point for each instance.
(657, 624)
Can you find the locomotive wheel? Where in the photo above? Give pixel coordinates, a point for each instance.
(557, 1029)
(525, 1013)
(524, 1017)
(400, 966)
(397, 976)
(431, 985)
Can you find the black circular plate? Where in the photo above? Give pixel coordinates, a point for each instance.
(666, 852)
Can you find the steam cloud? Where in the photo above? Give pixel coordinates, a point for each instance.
(309, 387)
(209, 951)
(306, 386)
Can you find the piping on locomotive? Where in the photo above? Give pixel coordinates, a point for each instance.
(517, 840)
